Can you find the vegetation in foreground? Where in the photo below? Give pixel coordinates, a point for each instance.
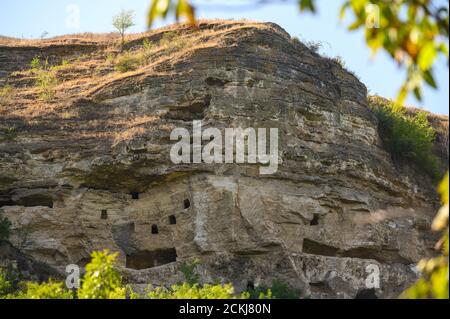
(434, 283)
(103, 281)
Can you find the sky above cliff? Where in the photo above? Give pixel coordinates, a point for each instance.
(31, 18)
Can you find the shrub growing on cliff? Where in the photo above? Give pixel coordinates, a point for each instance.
(278, 290)
(6, 94)
(128, 61)
(406, 137)
(188, 270)
(5, 228)
(46, 82)
(173, 42)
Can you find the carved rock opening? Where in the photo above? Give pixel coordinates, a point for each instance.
(315, 220)
(150, 259)
(315, 248)
(366, 294)
(134, 195)
(35, 200)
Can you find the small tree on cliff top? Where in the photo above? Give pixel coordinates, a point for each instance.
(122, 22)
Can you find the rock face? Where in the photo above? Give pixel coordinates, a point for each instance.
(91, 169)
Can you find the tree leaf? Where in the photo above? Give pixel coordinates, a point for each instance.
(427, 56)
(429, 79)
(307, 5)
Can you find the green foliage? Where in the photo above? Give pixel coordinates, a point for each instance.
(64, 65)
(414, 33)
(172, 42)
(46, 290)
(6, 284)
(132, 60)
(122, 22)
(405, 136)
(35, 63)
(9, 136)
(187, 291)
(46, 81)
(6, 94)
(128, 61)
(188, 270)
(102, 280)
(434, 283)
(161, 8)
(5, 228)
(278, 290)
(147, 44)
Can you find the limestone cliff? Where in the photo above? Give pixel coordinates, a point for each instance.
(91, 170)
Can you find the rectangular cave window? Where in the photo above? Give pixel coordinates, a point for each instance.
(104, 214)
(35, 201)
(187, 203)
(149, 259)
(315, 220)
(155, 229)
(134, 195)
(172, 220)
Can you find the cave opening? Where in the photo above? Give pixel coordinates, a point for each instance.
(187, 203)
(155, 229)
(315, 248)
(366, 294)
(150, 259)
(250, 285)
(134, 195)
(35, 200)
(172, 220)
(315, 220)
(104, 214)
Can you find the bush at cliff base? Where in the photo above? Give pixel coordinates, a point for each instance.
(434, 283)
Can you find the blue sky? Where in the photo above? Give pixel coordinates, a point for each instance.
(30, 18)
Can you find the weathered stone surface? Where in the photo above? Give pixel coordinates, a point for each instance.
(336, 205)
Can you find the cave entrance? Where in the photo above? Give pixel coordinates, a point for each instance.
(134, 195)
(315, 220)
(35, 201)
(366, 294)
(149, 259)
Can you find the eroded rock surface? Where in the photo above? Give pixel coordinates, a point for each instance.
(92, 170)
